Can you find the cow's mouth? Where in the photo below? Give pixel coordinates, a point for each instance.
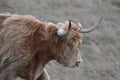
(75, 66)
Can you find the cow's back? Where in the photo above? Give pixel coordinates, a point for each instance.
(3, 17)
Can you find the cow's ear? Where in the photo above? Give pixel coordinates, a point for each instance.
(61, 32)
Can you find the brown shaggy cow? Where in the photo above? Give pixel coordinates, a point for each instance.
(28, 44)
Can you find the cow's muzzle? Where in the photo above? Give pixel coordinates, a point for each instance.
(78, 62)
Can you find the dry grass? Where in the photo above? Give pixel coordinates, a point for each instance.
(100, 49)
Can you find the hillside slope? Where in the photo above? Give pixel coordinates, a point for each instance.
(100, 49)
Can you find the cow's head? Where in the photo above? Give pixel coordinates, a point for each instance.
(69, 33)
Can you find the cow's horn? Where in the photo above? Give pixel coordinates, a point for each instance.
(91, 28)
(61, 32)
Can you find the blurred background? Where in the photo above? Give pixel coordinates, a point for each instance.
(100, 49)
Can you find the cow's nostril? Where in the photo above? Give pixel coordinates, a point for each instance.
(77, 63)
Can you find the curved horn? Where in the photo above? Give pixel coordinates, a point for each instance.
(91, 28)
(61, 32)
(69, 28)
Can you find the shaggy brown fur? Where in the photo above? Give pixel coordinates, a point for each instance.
(28, 44)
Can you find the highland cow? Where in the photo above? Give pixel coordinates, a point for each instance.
(28, 44)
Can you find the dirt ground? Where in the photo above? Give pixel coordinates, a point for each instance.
(100, 49)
